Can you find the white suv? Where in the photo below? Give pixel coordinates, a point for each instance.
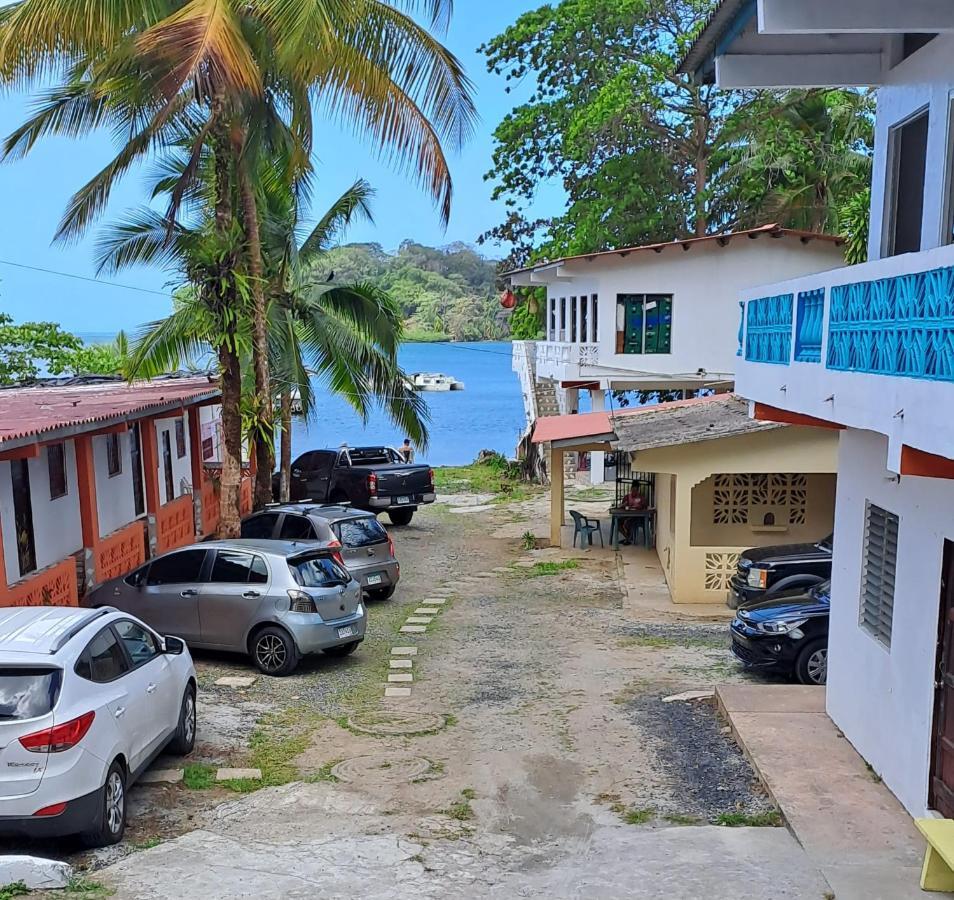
(88, 698)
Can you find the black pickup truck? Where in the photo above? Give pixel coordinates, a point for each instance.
(373, 478)
(765, 571)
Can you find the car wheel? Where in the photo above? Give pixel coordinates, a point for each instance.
(382, 593)
(112, 823)
(401, 516)
(812, 664)
(184, 740)
(274, 652)
(343, 649)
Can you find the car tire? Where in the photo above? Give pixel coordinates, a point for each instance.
(183, 742)
(382, 593)
(811, 667)
(401, 517)
(112, 823)
(274, 652)
(343, 649)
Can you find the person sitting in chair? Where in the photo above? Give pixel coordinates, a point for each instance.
(633, 500)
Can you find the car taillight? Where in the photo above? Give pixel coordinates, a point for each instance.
(301, 602)
(59, 737)
(338, 558)
(391, 546)
(373, 485)
(53, 810)
(430, 475)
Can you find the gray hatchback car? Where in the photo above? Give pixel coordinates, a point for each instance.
(366, 547)
(274, 600)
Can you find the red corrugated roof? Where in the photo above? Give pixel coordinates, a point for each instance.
(38, 412)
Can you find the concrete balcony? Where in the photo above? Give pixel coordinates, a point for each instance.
(558, 360)
(868, 346)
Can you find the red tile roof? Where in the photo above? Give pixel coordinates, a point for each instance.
(29, 414)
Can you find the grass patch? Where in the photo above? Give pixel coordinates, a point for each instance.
(450, 721)
(199, 776)
(590, 493)
(461, 810)
(14, 889)
(542, 569)
(496, 475)
(469, 794)
(324, 773)
(87, 887)
(682, 819)
(771, 819)
(148, 843)
(634, 815)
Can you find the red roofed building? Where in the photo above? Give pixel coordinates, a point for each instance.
(98, 475)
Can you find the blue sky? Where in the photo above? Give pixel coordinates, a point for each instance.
(34, 192)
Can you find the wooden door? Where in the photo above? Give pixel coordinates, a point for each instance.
(941, 788)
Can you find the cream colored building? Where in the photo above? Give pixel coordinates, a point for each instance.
(724, 482)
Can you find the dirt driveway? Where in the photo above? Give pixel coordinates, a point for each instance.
(532, 755)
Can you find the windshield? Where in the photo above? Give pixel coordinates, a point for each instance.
(827, 543)
(318, 572)
(28, 693)
(361, 532)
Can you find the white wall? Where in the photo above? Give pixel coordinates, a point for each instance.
(705, 282)
(883, 699)
(925, 79)
(210, 422)
(115, 502)
(56, 523)
(181, 468)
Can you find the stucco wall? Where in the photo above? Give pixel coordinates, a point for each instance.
(115, 503)
(666, 486)
(56, 523)
(181, 468)
(883, 699)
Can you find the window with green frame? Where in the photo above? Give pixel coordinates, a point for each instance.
(643, 323)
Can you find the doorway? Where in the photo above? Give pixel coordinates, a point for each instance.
(941, 784)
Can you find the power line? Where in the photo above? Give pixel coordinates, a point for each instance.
(115, 284)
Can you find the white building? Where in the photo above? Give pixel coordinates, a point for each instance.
(869, 350)
(651, 318)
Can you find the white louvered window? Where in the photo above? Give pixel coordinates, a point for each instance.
(877, 573)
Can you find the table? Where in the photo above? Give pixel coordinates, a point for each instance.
(647, 516)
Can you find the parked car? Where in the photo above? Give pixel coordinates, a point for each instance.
(88, 698)
(366, 547)
(764, 571)
(373, 478)
(787, 635)
(274, 600)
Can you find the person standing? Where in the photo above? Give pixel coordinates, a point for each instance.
(407, 451)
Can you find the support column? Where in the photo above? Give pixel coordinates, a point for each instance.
(572, 401)
(597, 457)
(557, 513)
(195, 458)
(3, 561)
(150, 469)
(579, 319)
(89, 514)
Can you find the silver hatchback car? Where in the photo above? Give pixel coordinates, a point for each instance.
(275, 600)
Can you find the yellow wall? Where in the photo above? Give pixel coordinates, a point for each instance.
(698, 571)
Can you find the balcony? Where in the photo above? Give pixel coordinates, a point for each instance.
(868, 346)
(563, 361)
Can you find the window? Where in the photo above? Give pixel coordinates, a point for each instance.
(180, 439)
(643, 323)
(907, 160)
(562, 335)
(297, 528)
(260, 527)
(23, 515)
(56, 463)
(183, 567)
(137, 576)
(361, 532)
(259, 573)
(318, 571)
(552, 302)
(231, 567)
(103, 660)
(135, 454)
(877, 572)
(114, 460)
(574, 337)
(584, 319)
(27, 693)
(595, 324)
(167, 466)
(139, 643)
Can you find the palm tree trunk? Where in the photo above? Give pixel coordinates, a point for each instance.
(230, 485)
(262, 401)
(286, 413)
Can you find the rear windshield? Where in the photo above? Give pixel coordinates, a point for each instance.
(361, 532)
(367, 456)
(28, 693)
(318, 571)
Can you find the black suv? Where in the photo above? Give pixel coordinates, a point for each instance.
(764, 571)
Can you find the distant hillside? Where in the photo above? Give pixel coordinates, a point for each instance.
(446, 292)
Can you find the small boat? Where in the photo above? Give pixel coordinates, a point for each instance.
(434, 381)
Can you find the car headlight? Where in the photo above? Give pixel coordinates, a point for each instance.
(781, 627)
(758, 578)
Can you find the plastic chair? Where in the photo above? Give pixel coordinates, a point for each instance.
(586, 528)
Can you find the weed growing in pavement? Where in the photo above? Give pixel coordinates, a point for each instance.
(872, 774)
(770, 819)
(633, 815)
(324, 773)
(450, 721)
(88, 888)
(461, 810)
(469, 794)
(14, 889)
(529, 541)
(682, 819)
(198, 776)
(147, 844)
(551, 568)
(277, 740)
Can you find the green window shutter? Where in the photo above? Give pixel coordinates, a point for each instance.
(658, 323)
(633, 331)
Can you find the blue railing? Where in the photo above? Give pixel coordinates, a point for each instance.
(768, 336)
(894, 326)
(808, 325)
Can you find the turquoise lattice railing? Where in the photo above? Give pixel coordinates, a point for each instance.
(768, 330)
(895, 326)
(808, 325)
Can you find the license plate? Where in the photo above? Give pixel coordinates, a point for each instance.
(375, 579)
(403, 500)
(346, 632)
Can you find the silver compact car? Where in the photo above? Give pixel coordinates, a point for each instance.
(366, 547)
(274, 600)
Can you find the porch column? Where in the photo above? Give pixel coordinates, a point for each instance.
(3, 561)
(557, 513)
(89, 514)
(150, 471)
(572, 401)
(597, 457)
(579, 318)
(195, 458)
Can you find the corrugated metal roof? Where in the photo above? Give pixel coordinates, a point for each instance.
(40, 412)
(718, 24)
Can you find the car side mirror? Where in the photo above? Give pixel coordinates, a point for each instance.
(296, 473)
(174, 646)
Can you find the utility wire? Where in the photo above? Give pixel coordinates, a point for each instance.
(115, 284)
